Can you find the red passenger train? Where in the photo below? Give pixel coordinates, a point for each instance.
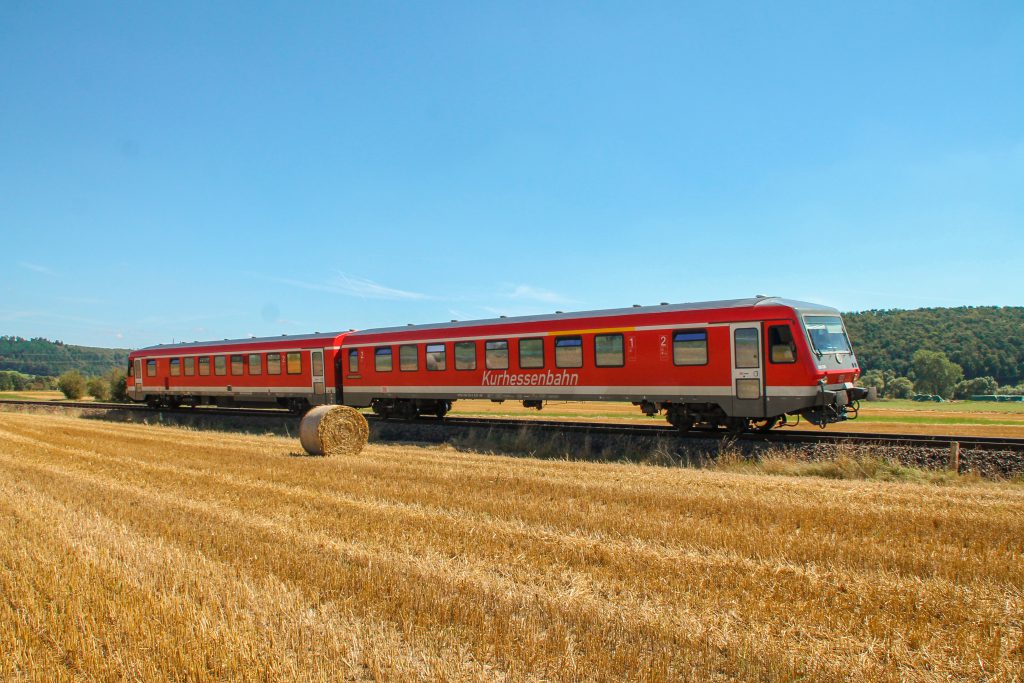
(740, 364)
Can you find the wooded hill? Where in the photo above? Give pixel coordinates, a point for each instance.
(43, 357)
(984, 340)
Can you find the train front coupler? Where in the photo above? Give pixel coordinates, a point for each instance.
(834, 405)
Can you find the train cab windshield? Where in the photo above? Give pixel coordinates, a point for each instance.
(827, 334)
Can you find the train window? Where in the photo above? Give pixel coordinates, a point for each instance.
(131, 369)
(273, 364)
(782, 348)
(408, 358)
(436, 357)
(220, 365)
(569, 352)
(255, 364)
(293, 363)
(317, 361)
(690, 347)
(151, 367)
(175, 367)
(465, 355)
(382, 359)
(496, 355)
(748, 388)
(827, 334)
(190, 367)
(747, 353)
(237, 365)
(531, 353)
(204, 365)
(353, 360)
(608, 351)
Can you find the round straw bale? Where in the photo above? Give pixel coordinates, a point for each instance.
(333, 430)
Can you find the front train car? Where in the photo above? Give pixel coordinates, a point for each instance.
(833, 396)
(737, 364)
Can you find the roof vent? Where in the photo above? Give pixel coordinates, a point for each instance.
(502, 316)
(760, 296)
(636, 305)
(664, 303)
(557, 312)
(408, 324)
(454, 321)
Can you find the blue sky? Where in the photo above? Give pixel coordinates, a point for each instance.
(179, 171)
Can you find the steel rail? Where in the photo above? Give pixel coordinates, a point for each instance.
(780, 436)
(142, 407)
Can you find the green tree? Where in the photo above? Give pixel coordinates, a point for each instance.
(72, 384)
(873, 378)
(901, 387)
(99, 388)
(1012, 390)
(118, 384)
(974, 387)
(934, 373)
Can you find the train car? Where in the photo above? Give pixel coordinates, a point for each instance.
(294, 372)
(738, 364)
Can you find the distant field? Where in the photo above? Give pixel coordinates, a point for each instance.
(136, 552)
(950, 406)
(36, 396)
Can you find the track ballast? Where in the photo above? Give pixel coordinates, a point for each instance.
(781, 436)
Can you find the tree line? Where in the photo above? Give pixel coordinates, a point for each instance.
(984, 341)
(42, 357)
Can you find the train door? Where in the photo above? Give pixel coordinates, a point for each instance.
(747, 370)
(317, 364)
(138, 377)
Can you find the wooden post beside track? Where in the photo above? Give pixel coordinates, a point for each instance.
(954, 456)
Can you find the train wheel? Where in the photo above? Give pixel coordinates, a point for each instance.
(736, 425)
(154, 402)
(442, 409)
(298, 406)
(763, 426)
(406, 410)
(679, 419)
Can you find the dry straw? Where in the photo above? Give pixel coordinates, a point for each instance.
(333, 430)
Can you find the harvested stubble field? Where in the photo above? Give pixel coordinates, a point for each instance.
(154, 553)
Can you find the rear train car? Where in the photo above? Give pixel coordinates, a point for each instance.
(294, 372)
(739, 364)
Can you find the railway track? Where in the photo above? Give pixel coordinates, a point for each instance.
(141, 407)
(780, 436)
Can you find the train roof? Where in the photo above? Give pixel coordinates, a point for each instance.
(799, 306)
(247, 340)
